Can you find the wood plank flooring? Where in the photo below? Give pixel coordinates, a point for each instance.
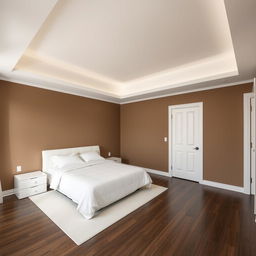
(187, 219)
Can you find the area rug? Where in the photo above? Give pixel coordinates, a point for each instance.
(62, 211)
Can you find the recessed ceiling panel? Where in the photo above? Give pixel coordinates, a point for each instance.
(127, 49)
(125, 40)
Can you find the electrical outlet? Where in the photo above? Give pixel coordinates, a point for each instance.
(109, 153)
(165, 139)
(18, 168)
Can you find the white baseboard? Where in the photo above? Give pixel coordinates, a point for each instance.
(166, 174)
(8, 192)
(222, 186)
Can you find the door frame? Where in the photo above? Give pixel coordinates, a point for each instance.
(188, 105)
(247, 142)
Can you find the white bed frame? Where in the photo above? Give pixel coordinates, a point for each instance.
(47, 154)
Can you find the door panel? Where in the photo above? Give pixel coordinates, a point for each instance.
(179, 160)
(185, 132)
(179, 129)
(190, 128)
(191, 161)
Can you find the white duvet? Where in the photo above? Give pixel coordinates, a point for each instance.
(98, 184)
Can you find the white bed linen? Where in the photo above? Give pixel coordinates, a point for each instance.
(98, 184)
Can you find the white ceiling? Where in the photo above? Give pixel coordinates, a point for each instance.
(127, 50)
(18, 26)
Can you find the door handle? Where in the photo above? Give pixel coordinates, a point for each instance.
(196, 148)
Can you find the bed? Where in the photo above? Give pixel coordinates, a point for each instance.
(93, 185)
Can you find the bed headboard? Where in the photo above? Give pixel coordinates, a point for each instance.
(47, 154)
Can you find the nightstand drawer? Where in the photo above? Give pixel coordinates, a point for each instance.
(26, 192)
(28, 183)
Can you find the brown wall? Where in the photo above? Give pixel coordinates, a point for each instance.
(32, 120)
(145, 124)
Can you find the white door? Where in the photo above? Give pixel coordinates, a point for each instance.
(186, 141)
(252, 146)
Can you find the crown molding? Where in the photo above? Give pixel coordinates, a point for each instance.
(59, 86)
(46, 66)
(94, 94)
(186, 91)
(204, 70)
(182, 84)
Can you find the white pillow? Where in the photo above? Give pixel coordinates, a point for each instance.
(66, 160)
(91, 156)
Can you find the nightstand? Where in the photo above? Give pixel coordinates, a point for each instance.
(115, 159)
(29, 184)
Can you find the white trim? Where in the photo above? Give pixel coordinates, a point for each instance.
(254, 95)
(168, 86)
(208, 69)
(8, 192)
(123, 101)
(247, 141)
(99, 95)
(222, 186)
(201, 121)
(166, 174)
(66, 88)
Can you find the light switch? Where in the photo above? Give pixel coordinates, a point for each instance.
(165, 139)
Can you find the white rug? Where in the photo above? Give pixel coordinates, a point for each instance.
(62, 211)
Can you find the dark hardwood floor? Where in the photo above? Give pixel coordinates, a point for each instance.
(187, 219)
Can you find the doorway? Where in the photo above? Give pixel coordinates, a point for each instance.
(186, 141)
(249, 143)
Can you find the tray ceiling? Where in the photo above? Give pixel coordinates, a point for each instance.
(121, 49)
